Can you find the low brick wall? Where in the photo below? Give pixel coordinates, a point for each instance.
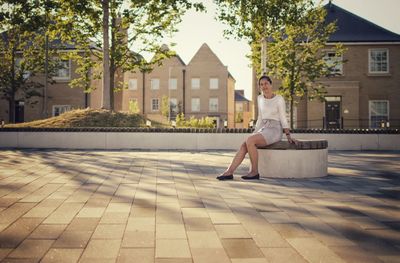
(184, 139)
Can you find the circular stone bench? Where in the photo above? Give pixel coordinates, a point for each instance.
(307, 159)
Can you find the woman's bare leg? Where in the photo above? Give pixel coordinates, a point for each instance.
(252, 142)
(237, 160)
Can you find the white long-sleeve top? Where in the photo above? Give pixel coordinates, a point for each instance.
(273, 109)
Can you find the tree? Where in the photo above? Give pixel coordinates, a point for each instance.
(296, 32)
(108, 30)
(22, 52)
(133, 107)
(295, 55)
(165, 106)
(253, 20)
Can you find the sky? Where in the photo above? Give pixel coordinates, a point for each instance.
(197, 28)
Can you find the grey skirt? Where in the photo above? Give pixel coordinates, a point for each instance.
(271, 130)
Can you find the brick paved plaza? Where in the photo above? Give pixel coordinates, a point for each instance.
(166, 206)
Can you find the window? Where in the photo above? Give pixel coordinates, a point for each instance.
(378, 112)
(378, 61)
(155, 104)
(60, 109)
(195, 83)
(239, 107)
(213, 104)
(195, 104)
(173, 83)
(334, 63)
(63, 71)
(132, 85)
(213, 83)
(155, 84)
(173, 103)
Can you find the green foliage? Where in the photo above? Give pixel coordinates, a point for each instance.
(253, 20)
(135, 28)
(296, 33)
(180, 119)
(239, 117)
(133, 107)
(22, 50)
(165, 107)
(204, 122)
(296, 57)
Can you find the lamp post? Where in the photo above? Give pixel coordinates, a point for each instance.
(169, 94)
(263, 56)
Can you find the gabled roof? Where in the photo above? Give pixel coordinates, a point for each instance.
(239, 95)
(165, 47)
(55, 43)
(180, 59)
(231, 76)
(205, 49)
(352, 28)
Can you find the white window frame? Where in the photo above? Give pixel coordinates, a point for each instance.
(195, 99)
(339, 67)
(239, 107)
(175, 102)
(132, 84)
(56, 77)
(210, 105)
(173, 83)
(369, 60)
(197, 82)
(152, 104)
(62, 109)
(369, 110)
(155, 84)
(214, 83)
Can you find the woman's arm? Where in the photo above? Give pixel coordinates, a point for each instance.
(259, 118)
(282, 117)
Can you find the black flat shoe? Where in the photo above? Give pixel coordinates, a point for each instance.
(225, 177)
(254, 177)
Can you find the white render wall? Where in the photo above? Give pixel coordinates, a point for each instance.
(181, 141)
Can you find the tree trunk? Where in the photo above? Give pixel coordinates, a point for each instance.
(291, 112)
(11, 98)
(292, 87)
(11, 110)
(46, 67)
(112, 61)
(112, 78)
(106, 57)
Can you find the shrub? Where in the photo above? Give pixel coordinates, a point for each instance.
(205, 122)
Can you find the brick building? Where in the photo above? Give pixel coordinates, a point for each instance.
(203, 87)
(366, 91)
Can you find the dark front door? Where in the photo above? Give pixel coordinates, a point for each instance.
(332, 113)
(19, 111)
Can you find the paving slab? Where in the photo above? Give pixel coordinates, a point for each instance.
(166, 206)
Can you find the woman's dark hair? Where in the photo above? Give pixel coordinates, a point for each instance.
(264, 77)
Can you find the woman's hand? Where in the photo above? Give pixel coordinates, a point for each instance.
(290, 140)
